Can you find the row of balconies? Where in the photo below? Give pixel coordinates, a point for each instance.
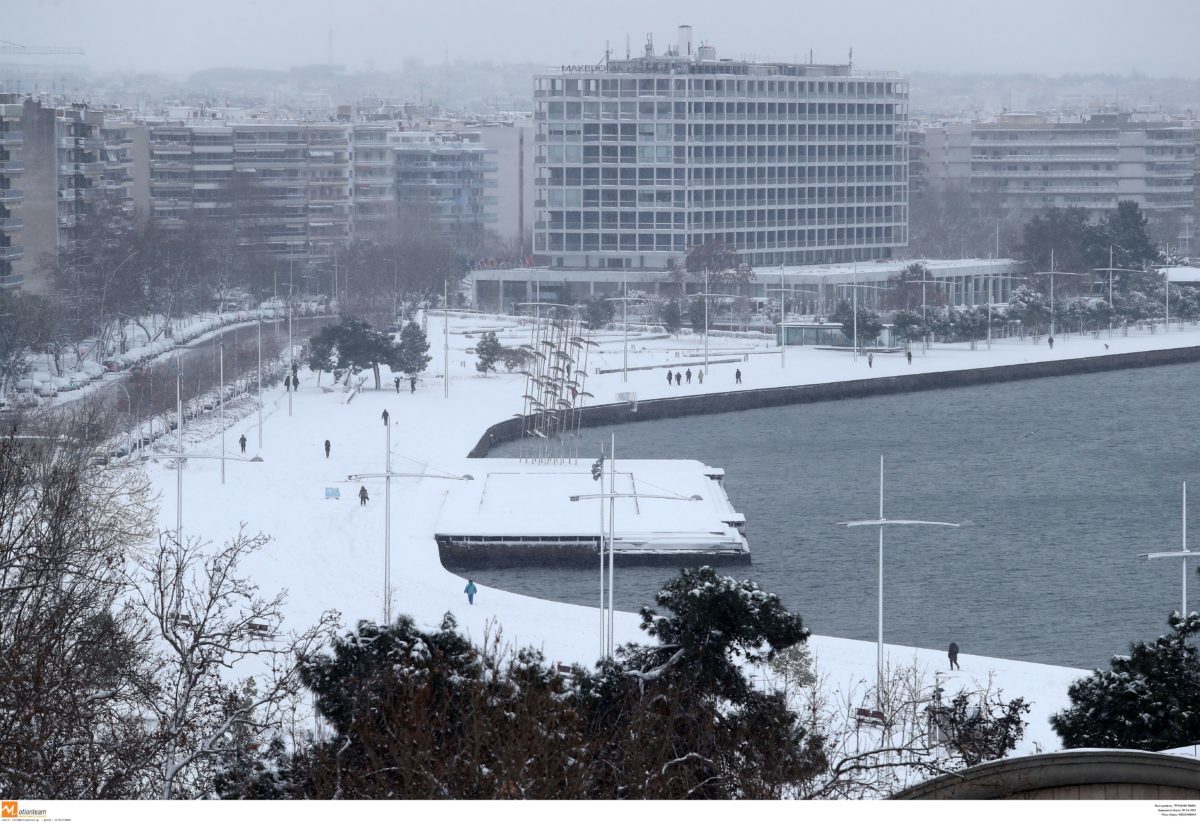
(11, 137)
(1055, 173)
(81, 142)
(11, 252)
(11, 167)
(11, 224)
(11, 195)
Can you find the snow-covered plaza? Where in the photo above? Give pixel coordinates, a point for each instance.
(327, 549)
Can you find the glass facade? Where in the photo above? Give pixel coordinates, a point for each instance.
(639, 160)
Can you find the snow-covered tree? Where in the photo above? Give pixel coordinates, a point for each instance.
(208, 620)
(487, 353)
(410, 357)
(868, 326)
(1149, 699)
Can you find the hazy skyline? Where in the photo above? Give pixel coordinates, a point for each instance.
(1059, 37)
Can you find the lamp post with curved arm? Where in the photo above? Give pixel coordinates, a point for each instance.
(1184, 554)
(387, 476)
(881, 523)
(606, 619)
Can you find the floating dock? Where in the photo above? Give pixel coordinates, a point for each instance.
(520, 513)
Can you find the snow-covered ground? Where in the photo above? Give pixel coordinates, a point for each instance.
(328, 552)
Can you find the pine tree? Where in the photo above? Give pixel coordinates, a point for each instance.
(671, 317)
(487, 352)
(1148, 700)
(410, 357)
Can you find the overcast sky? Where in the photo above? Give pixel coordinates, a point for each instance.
(1155, 37)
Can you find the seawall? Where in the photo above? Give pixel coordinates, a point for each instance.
(719, 403)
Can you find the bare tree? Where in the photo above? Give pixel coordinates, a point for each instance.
(210, 621)
(72, 659)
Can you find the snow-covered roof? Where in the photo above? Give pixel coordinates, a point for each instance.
(1182, 274)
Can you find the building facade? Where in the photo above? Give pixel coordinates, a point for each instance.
(444, 178)
(286, 186)
(11, 167)
(640, 159)
(1026, 162)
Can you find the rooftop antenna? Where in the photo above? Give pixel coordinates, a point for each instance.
(810, 59)
(626, 46)
(850, 61)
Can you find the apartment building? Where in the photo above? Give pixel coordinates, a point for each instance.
(640, 159)
(373, 179)
(285, 185)
(443, 177)
(1027, 162)
(11, 167)
(513, 143)
(63, 158)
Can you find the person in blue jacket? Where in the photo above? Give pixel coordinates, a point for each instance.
(470, 592)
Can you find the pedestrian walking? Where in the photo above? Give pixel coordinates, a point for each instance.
(326, 449)
(870, 361)
(678, 378)
(397, 381)
(669, 377)
(737, 375)
(363, 496)
(412, 385)
(954, 656)
(688, 374)
(1050, 340)
(287, 383)
(470, 591)
(385, 416)
(700, 376)
(908, 354)
(242, 442)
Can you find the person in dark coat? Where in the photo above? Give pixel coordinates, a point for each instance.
(287, 383)
(412, 385)
(363, 496)
(326, 449)
(688, 374)
(470, 591)
(737, 375)
(669, 377)
(242, 442)
(954, 656)
(1050, 340)
(397, 381)
(678, 378)
(908, 354)
(870, 361)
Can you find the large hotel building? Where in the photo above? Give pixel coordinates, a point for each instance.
(640, 159)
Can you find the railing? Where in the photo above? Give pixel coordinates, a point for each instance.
(11, 167)
(11, 195)
(11, 252)
(11, 224)
(11, 138)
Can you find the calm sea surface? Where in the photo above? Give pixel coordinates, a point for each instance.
(1065, 481)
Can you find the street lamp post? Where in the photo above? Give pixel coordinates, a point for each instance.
(625, 301)
(783, 314)
(1184, 554)
(221, 397)
(387, 533)
(259, 377)
(706, 296)
(881, 522)
(606, 620)
(395, 285)
(180, 456)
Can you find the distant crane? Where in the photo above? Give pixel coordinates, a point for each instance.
(7, 47)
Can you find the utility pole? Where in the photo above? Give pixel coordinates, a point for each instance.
(291, 351)
(260, 377)
(221, 389)
(446, 339)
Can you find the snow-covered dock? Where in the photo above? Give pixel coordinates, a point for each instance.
(522, 513)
